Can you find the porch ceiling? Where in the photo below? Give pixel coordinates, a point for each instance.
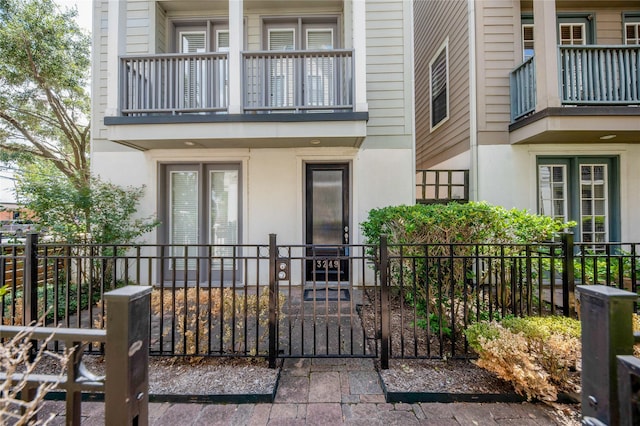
(578, 125)
(260, 134)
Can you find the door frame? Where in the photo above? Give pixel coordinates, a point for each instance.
(342, 273)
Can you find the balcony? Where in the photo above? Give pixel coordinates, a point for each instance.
(597, 87)
(282, 81)
(589, 75)
(288, 99)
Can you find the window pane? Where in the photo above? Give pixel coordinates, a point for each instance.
(593, 210)
(527, 41)
(327, 207)
(552, 191)
(438, 70)
(183, 218)
(223, 213)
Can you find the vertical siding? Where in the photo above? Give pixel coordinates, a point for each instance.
(386, 67)
(434, 21)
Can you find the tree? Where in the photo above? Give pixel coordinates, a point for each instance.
(102, 211)
(44, 102)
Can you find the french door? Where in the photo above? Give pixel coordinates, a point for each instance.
(202, 216)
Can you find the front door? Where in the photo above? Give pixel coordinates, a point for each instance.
(327, 222)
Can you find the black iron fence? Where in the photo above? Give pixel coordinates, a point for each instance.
(270, 300)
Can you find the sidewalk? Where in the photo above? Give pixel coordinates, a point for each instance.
(326, 392)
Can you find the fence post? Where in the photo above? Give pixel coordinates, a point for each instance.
(605, 314)
(127, 356)
(273, 331)
(384, 303)
(30, 279)
(568, 276)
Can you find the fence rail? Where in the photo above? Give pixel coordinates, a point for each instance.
(272, 300)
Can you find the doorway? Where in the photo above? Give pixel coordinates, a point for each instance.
(327, 222)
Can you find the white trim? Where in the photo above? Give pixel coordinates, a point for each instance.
(571, 25)
(445, 47)
(474, 175)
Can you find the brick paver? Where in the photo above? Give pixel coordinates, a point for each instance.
(326, 392)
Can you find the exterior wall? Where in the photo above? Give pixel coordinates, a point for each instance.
(273, 179)
(498, 52)
(514, 183)
(437, 21)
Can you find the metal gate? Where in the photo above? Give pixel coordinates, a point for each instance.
(331, 317)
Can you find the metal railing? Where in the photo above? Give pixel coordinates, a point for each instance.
(442, 186)
(589, 75)
(523, 89)
(600, 75)
(298, 81)
(174, 83)
(273, 300)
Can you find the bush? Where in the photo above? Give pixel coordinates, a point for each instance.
(200, 306)
(536, 354)
(436, 266)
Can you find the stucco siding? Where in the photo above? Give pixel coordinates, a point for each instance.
(435, 22)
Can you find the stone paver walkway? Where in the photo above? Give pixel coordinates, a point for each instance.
(326, 392)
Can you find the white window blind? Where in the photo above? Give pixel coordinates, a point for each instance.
(552, 184)
(632, 33)
(282, 39)
(527, 41)
(192, 41)
(184, 213)
(319, 39)
(572, 34)
(222, 41)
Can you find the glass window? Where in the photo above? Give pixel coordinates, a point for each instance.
(439, 76)
(203, 209)
(632, 33)
(527, 41)
(572, 34)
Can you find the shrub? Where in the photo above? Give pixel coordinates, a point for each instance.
(535, 354)
(436, 266)
(197, 307)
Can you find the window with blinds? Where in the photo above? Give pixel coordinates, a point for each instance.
(319, 70)
(281, 77)
(527, 41)
(439, 76)
(194, 69)
(632, 33)
(183, 216)
(582, 189)
(202, 215)
(572, 34)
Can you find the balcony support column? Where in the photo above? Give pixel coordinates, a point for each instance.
(236, 45)
(359, 33)
(545, 41)
(116, 46)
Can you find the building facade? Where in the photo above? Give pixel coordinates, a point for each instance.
(249, 117)
(539, 101)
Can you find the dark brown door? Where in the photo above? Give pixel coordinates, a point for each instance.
(327, 222)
